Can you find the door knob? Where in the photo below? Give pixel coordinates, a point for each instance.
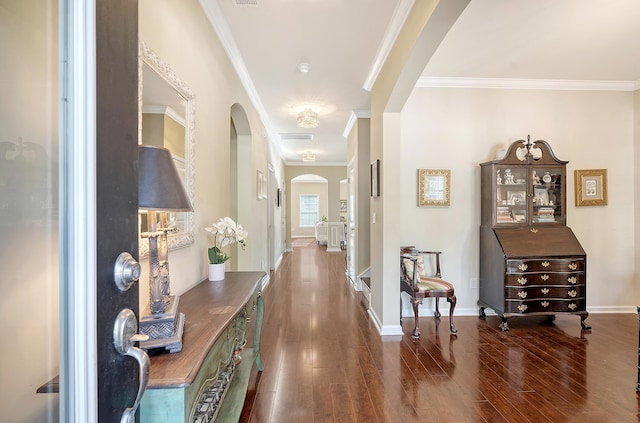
(125, 334)
(126, 271)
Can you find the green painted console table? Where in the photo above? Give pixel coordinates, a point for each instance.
(208, 379)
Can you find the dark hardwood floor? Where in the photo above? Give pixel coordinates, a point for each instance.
(325, 362)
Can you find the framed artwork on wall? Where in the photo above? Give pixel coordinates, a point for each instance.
(434, 187)
(591, 187)
(375, 178)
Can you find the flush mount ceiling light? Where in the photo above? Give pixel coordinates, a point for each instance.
(307, 119)
(304, 67)
(308, 157)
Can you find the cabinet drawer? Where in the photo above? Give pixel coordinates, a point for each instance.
(546, 265)
(544, 306)
(543, 278)
(544, 292)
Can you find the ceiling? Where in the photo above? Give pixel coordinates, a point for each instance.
(345, 41)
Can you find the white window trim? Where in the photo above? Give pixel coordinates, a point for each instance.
(300, 209)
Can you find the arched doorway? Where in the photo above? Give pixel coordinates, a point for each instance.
(241, 180)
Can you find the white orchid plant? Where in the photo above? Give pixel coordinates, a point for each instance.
(225, 232)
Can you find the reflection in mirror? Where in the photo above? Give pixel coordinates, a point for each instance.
(166, 111)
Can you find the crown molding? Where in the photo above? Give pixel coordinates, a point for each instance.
(312, 164)
(220, 26)
(395, 25)
(527, 84)
(353, 117)
(164, 110)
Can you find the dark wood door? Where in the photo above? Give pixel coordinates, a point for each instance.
(117, 193)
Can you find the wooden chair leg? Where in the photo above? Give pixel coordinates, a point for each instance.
(416, 330)
(437, 313)
(452, 301)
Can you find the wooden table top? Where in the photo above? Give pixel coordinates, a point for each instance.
(208, 307)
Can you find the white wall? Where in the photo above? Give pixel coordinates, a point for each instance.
(458, 129)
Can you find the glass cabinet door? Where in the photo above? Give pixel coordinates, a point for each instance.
(511, 195)
(547, 194)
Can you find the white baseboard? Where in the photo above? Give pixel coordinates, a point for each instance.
(613, 309)
(385, 330)
(427, 310)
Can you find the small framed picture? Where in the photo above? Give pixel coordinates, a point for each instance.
(591, 187)
(516, 198)
(541, 196)
(434, 187)
(375, 178)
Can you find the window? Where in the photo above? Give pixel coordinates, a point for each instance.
(309, 210)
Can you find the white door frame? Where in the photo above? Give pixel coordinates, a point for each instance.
(77, 171)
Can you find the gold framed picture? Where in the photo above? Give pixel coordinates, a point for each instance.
(591, 187)
(434, 187)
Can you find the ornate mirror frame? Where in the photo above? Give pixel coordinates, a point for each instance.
(147, 57)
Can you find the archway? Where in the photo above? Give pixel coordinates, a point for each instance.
(309, 204)
(241, 180)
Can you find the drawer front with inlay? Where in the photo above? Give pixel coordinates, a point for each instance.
(544, 292)
(546, 265)
(550, 279)
(544, 306)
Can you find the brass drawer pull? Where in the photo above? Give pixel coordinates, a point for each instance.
(522, 308)
(522, 281)
(544, 277)
(573, 280)
(572, 306)
(545, 304)
(523, 266)
(573, 266)
(572, 293)
(522, 294)
(545, 264)
(545, 291)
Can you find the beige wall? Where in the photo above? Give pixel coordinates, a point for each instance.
(297, 189)
(180, 34)
(359, 145)
(415, 44)
(28, 231)
(636, 163)
(458, 129)
(333, 175)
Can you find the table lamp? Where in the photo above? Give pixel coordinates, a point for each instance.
(160, 189)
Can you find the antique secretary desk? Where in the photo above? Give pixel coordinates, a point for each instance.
(531, 263)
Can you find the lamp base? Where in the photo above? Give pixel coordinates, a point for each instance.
(164, 329)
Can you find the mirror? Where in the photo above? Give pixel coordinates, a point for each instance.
(166, 111)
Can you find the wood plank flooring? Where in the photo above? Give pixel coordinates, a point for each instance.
(325, 362)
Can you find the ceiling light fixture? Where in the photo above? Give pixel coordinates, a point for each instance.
(304, 67)
(309, 157)
(308, 119)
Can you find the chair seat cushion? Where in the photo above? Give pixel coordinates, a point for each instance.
(434, 284)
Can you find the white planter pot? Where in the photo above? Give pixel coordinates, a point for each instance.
(216, 272)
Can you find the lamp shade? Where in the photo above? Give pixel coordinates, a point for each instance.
(159, 185)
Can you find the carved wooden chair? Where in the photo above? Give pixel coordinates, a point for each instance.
(415, 282)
